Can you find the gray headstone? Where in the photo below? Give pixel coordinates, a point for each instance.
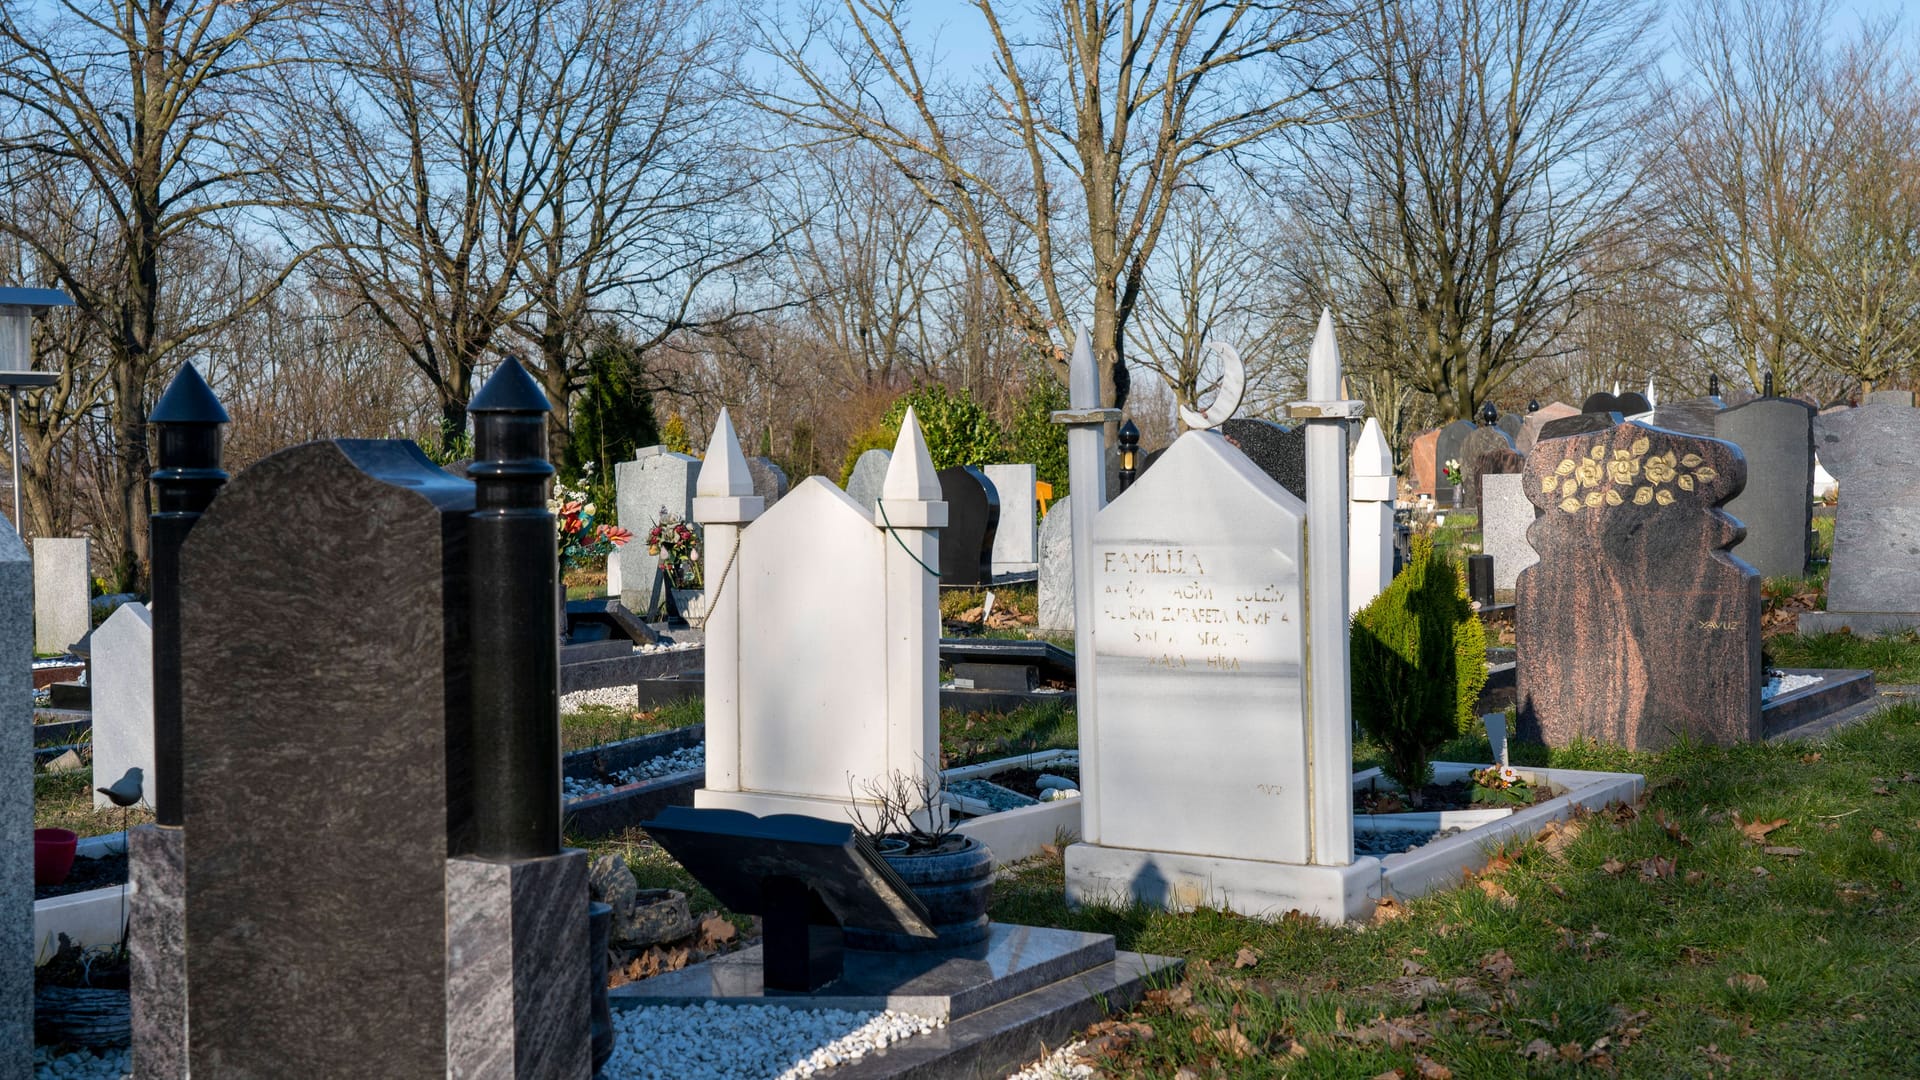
(1280, 452)
(16, 806)
(318, 764)
(769, 480)
(1478, 444)
(1890, 397)
(1505, 514)
(1695, 416)
(122, 675)
(62, 581)
(1535, 420)
(658, 479)
(869, 474)
(1776, 436)
(1874, 451)
(1511, 423)
(1016, 537)
(1447, 448)
(1056, 567)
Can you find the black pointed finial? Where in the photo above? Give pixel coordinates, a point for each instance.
(1768, 392)
(1533, 405)
(188, 400)
(510, 390)
(1713, 384)
(1489, 414)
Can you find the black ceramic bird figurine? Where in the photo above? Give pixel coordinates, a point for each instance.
(128, 790)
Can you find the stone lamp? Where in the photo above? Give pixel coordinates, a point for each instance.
(17, 310)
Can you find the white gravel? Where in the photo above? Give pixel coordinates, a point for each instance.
(748, 1042)
(81, 1064)
(1062, 1064)
(1787, 684)
(682, 760)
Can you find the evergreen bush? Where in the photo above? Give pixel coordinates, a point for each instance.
(1419, 664)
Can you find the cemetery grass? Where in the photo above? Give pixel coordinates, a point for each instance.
(597, 725)
(1893, 658)
(65, 801)
(1754, 916)
(969, 739)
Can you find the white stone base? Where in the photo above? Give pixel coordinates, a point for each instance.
(94, 917)
(1013, 835)
(1117, 876)
(1105, 875)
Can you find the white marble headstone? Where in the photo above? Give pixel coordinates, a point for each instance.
(1056, 567)
(61, 584)
(1016, 540)
(1200, 646)
(122, 667)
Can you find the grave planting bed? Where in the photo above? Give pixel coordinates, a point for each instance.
(88, 917)
(1021, 832)
(629, 802)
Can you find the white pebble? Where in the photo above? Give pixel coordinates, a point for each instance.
(1062, 1064)
(686, 759)
(748, 1042)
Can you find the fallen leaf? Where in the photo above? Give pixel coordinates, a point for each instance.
(1392, 1074)
(1613, 867)
(1498, 964)
(1245, 958)
(1232, 1040)
(1753, 984)
(1387, 909)
(1761, 871)
(1785, 852)
(1879, 836)
(1695, 877)
(1655, 868)
(1672, 829)
(1556, 836)
(1496, 893)
(1394, 1033)
(1808, 759)
(1712, 1053)
(716, 931)
(1411, 967)
(1428, 1069)
(1757, 831)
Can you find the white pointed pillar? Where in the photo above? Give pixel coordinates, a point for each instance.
(724, 504)
(1370, 518)
(1086, 425)
(1651, 398)
(911, 511)
(1329, 696)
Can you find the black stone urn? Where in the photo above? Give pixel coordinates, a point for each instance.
(599, 931)
(955, 883)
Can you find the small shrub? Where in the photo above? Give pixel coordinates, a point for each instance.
(876, 437)
(1035, 437)
(957, 428)
(1419, 664)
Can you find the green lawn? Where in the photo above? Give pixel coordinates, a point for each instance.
(1894, 658)
(597, 725)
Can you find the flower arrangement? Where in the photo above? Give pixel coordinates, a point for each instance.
(1501, 785)
(677, 544)
(1452, 471)
(580, 538)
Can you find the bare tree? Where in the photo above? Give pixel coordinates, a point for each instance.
(1488, 155)
(142, 103)
(1078, 140)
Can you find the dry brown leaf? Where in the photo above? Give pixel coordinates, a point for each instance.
(1394, 1033)
(1808, 759)
(1496, 893)
(1757, 831)
(1556, 836)
(1672, 829)
(1784, 852)
(1245, 958)
(1538, 1050)
(1613, 867)
(1695, 877)
(1498, 964)
(716, 931)
(1761, 871)
(1655, 868)
(1751, 983)
(1233, 1041)
(1411, 967)
(1879, 836)
(1428, 1069)
(1295, 1049)
(1392, 1074)
(1712, 1053)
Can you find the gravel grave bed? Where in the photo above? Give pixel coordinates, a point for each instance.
(748, 1042)
(1393, 842)
(685, 759)
(82, 1064)
(1062, 1064)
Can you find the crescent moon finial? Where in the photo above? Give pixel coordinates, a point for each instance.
(1226, 399)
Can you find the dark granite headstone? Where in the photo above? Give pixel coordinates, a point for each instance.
(319, 764)
(1627, 404)
(1482, 442)
(1511, 424)
(1637, 626)
(1693, 416)
(1280, 452)
(973, 513)
(1579, 424)
(1775, 435)
(1447, 448)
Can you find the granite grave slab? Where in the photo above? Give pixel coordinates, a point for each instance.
(62, 581)
(1423, 469)
(1505, 516)
(1490, 444)
(1873, 581)
(1535, 420)
(1016, 535)
(1056, 567)
(656, 480)
(17, 946)
(1775, 435)
(869, 472)
(122, 698)
(973, 516)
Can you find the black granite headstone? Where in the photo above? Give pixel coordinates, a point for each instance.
(1776, 437)
(319, 765)
(1694, 416)
(1581, 424)
(1477, 446)
(1280, 452)
(973, 515)
(1447, 448)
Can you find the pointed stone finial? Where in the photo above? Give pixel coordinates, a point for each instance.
(724, 472)
(1651, 399)
(1323, 361)
(910, 474)
(1616, 388)
(188, 400)
(1372, 456)
(1713, 384)
(510, 390)
(1083, 375)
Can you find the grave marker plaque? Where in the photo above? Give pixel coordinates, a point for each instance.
(1280, 452)
(869, 472)
(1447, 448)
(1637, 625)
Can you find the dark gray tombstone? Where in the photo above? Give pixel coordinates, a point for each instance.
(1627, 404)
(1874, 584)
(1280, 452)
(1447, 448)
(1511, 424)
(1477, 452)
(1582, 424)
(973, 514)
(1776, 437)
(1694, 416)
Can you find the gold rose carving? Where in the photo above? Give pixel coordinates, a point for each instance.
(1624, 469)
